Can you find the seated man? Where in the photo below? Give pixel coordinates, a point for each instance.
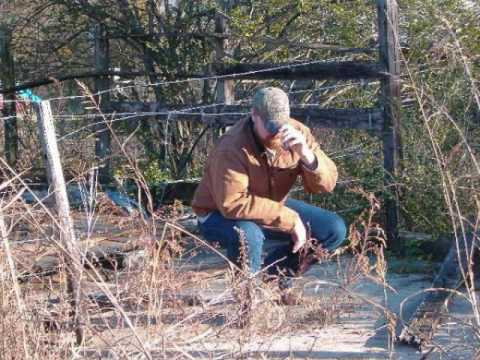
(246, 182)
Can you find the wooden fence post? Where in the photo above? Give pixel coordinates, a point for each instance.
(7, 76)
(103, 141)
(388, 28)
(224, 92)
(71, 249)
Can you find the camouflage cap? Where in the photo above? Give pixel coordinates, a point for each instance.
(272, 105)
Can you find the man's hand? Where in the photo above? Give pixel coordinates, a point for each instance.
(293, 139)
(299, 235)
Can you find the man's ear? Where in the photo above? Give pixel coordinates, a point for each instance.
(255, 115)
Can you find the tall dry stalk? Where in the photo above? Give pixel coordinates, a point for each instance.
(458, 168)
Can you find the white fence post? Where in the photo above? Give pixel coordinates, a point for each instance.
(71, 250)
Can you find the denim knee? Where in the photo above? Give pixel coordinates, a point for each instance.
(338, 232)
(254, 238)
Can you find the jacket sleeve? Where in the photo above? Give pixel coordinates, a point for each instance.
(324, 177)
(234, 200)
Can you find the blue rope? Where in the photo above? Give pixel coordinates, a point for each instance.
(29, 95)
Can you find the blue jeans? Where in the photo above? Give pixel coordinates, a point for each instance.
(327, 227)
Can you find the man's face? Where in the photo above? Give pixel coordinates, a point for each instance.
(270, 140)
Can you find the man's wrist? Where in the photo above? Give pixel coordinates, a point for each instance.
(309, 160)
(295, 222)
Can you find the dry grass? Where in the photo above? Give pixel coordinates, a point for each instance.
(458, 165)
(152, 303)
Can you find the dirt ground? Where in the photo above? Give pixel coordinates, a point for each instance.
(333, 322)
(358, 329)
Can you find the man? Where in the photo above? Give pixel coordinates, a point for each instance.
(246, 182)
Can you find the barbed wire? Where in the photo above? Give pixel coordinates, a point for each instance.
(200, 78)
(194, 110)
(164, 113)
(329, 87)
(128, 115)
(193, 79)
(147, 113)
(333, 87)
(136, 116)
(199, 107)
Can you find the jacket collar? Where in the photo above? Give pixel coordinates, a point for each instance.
(253, 138)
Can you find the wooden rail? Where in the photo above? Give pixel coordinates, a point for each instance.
(336, 70)
(103, 140)
(226, 115)
(389, 46)
(7, 77)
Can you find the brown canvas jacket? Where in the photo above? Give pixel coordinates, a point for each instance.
(242, 183)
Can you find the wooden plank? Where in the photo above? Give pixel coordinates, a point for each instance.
(361, 119)
(391, 102)
(422, 324)
(72, 252)
(101, 252)
(107, 254)
(225, 88)
(320, 71)
(224, 92)
(7, 76)
(103, 141)
(342, 70)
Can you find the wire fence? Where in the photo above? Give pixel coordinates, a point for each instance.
(95, 118)
(196, 79)
(187, 110)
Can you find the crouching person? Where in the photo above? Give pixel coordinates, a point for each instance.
(246, 182)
